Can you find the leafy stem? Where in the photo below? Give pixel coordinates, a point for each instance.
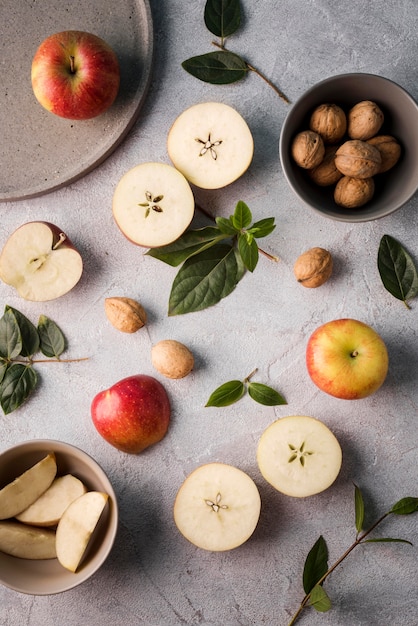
(234, 390)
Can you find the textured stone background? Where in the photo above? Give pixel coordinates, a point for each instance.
(153, 576)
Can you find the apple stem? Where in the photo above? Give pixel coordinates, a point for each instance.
(62, 238)
(354, 354)
(72, 66)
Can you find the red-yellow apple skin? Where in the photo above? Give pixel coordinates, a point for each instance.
(347, 359)
(133, 414)
(75, 75)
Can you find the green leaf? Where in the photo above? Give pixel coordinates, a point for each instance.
(406, 506)
(359, 508)
(10, 336)
(222, 17)
(227, 394)
(397, 269)
(387, 540)
(52, 340)
(319, 599)
(189, 244)
(28, 332)
(218, 68)
(205, 279)
(316, 565)
(263, 394)
(262, 228)
(18, 382)
(3, 367)
(242, 216)
(225, 225)
(248, 250)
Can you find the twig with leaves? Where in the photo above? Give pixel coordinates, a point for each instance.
(232, 391)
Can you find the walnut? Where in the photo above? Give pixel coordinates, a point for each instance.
(125, 314)
(326, 173)
(364, 120)
(389, 148)
(358, 159)
(172, 358)
(313, 267)
(329, 121)
(353, 192)
(308, 149)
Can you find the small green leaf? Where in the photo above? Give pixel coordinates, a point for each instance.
(316, 564)
(225, 225)
(222, 17)
(319, 599)
(263, 394)
(52, 341)
(248, 250)
(397, 269)
(242, 216)
(3, 367)
(262, 228)
(190, 243)
(218, 68)
(359, 508)
(18, 382)
(227, 394)
(387, 540)
(406, 506)
(28, 332)
(10, 336)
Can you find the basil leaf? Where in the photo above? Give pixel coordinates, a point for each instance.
(262, 228)
(222, 17)
(190, 243)
(359, 508)
(218, 68)
(28, 332)
(387, 540)
(10, 336)
(248, 250)
(397, 269)
(316, 564)
(263, 394)
(18, 382)
(226, 394)
(406, 506)
(242, 216)
(319, 599)
(52, 341)
(225, 225)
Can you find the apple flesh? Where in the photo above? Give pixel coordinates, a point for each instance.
(217, 508)
(211, 144)
(347, 359)
(133, 414)
(40, 262)
(75, 75)
(153, 204)
(27, 542)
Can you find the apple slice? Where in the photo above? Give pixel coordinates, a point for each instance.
(299, 456)
(16, 496)
(76, 527)
(27, 542)
(40, 261)
(49, 507)
(211, 144)
(217, 507)
(153, 204)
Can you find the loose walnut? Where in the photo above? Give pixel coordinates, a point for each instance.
(308, 149)
(389, 148)
(172, 358)
(329, 121)
(358, 159)
(352, 193)
(125, 314)
(326, 173)
(313, 267)
(364, 120)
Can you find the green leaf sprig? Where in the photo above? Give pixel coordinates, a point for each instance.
(214, 259)
(397, 270)
(316, 569)
(20, 340)
(233, 390)
(223, 18)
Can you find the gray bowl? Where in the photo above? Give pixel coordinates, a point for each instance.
(395, 187)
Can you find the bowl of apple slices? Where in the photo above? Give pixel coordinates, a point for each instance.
(58, 517)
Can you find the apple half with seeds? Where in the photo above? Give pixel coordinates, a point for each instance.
(299, 456)
(39, 260)
(217, 507)
(153, 204)
(211, 144)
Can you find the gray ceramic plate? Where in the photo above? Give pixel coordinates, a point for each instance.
(40, 151)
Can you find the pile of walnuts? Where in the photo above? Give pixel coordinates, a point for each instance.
(345, 150)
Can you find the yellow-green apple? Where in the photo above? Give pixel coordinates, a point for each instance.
(27, 542)
(347, 359)
(133, 414)
(75, 75)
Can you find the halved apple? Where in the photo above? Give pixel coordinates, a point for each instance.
(40, 261)
(49, 507)
(153, 204)
(299, 456)
(27, 542)
(18, 495)
(217, 507)
(211, 144)
(76, 527)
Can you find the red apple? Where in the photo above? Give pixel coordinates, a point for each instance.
(75, 75)
(347, 359)
(132, 414)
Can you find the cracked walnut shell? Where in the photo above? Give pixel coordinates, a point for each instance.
(389, 148)
(313, 267)
(352, 193)
(329, 121)
(364, 120)
(358, 159)
(308, 149)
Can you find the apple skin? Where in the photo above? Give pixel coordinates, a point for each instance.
(133, 414)
(75, 75)
(347, 359)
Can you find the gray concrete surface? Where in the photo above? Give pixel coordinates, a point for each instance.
(153, 576)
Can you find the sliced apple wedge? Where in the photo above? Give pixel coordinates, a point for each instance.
(153, 204)
(27, 542)
(299, 456)
(76, 527)
(49, 507)
(211, 144)
(40, 261)
(217, 507)
(18, 495)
